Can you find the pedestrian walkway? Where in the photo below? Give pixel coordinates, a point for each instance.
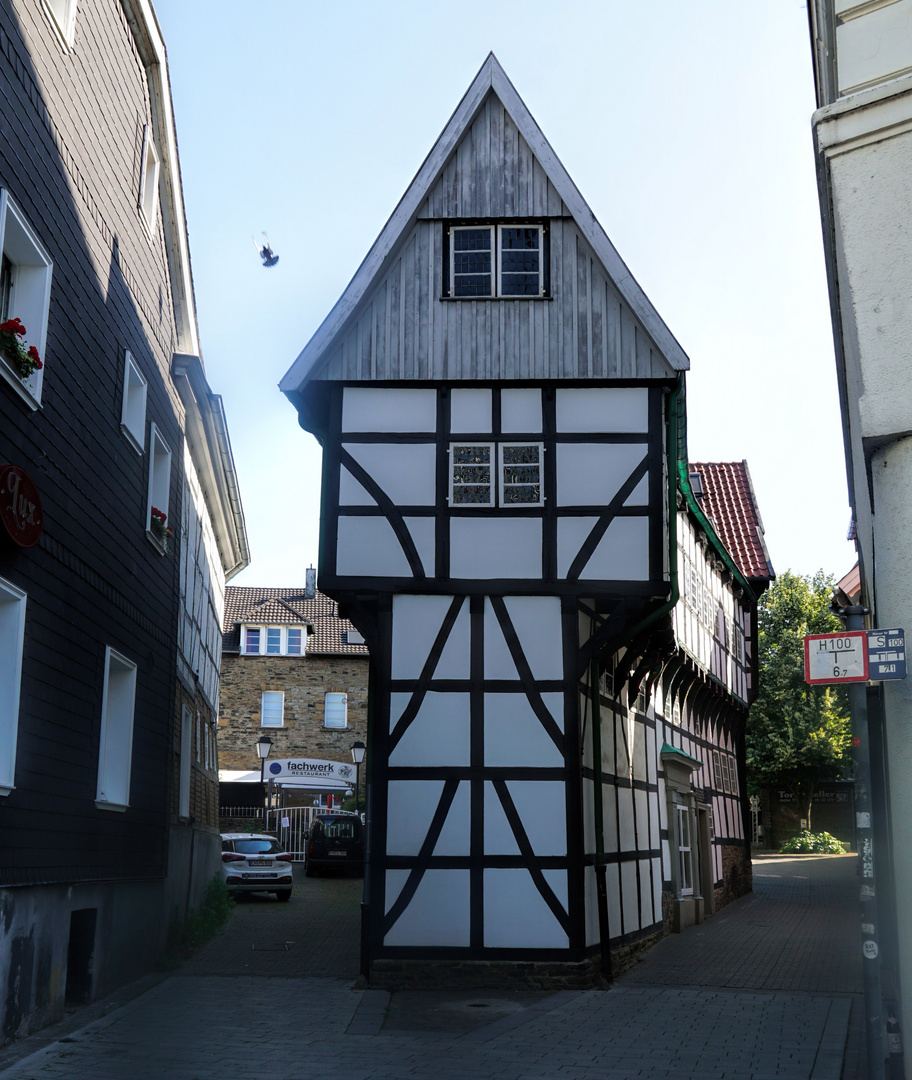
(740, 997)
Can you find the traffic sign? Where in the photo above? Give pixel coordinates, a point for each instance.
(836, 658)
(886, 655)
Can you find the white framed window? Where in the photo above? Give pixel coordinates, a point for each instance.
(496, 260)
(273, 640)
(684, 848)
(519, 474)
(115, 751)
(159, 489)
(335, 711)
(183, 789)
(133, 412)
(272, 709)
(25, 293)
(12, 641)
(62, 15)
(148, 181)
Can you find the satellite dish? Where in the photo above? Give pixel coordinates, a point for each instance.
(265, 251)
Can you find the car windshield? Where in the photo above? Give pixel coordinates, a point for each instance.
(257, 846)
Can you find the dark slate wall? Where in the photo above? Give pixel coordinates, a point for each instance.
(70, 156)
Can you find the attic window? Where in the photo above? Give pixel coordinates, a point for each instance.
(496, 260)
(272, 640)
(519, 477)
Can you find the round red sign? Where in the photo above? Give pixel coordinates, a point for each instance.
(20, 506)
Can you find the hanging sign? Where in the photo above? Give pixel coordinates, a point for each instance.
(20, 506)
(334, 774)
(836, 658)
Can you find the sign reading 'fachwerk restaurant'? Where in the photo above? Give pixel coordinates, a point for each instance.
(20, 506)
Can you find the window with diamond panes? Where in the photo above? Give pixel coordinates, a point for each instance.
(520, 474)
(470, 474)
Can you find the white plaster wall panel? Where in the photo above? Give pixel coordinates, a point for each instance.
(585, 710)
(588, 816)
(619, 410)
(621, 555)
(498, 836)
(591, 891)
(542, 809)
(651, 756)
(351, 493)
(591, 474)
(515, 913)
(495, 548)
(639, 751)
(666, 861)
(641, 806)
(646, 911)
(423, 532)
(403, 471)
(610, 818)
(520, 410)
(438, 736)
(621, 754)
(416, 623)
(657, 889)
(392, 409)
(411, 806)
(613, 888)
(514, 735)
(438, 913)
(470, 410)
(626, 821)
(536, 620)
(629, 897)
(368, 547)
(608, 733)
(874, 46)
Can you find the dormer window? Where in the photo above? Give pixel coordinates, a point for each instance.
(272, 640)
(491, 260)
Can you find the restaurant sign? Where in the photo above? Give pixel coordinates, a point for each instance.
(20, 506)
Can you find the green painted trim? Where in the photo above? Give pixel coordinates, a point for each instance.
(673, 751)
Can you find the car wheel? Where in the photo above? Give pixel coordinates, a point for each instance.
(283, 894)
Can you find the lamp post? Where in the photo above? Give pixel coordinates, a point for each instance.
(263, 746)
(358, 749)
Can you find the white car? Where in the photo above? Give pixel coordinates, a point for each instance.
(255, 862)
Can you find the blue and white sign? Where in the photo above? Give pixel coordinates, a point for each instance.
(312, 773)
(886, 655)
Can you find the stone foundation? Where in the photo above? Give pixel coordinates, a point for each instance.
(484, 975)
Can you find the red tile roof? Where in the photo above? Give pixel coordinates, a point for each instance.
(729, 502)
(281, 607)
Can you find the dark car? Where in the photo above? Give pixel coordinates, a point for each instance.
(335, 839)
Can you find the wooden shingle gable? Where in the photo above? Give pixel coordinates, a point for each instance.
(389, 323)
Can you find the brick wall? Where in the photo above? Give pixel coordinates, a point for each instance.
(304, 680)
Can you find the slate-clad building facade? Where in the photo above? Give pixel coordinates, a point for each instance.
(120, 517)
(507, 517)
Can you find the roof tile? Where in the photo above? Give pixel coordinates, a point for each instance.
(284, 607)
(729, 502)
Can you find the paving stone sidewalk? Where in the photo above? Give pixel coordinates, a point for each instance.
(700, 1005)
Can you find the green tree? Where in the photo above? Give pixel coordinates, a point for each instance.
(796, 734)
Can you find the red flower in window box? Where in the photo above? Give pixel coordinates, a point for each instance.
(23, 361)
(159, 527)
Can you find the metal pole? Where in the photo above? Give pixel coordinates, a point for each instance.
(864, 843)
(357, 791)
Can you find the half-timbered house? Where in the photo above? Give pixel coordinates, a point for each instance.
(507, 517)
(120, 518)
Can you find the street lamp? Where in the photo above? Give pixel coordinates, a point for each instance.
(358, 749)
(263, 746)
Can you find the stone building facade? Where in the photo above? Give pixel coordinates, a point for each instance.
(332, 665)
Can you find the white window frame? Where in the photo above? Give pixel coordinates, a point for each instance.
(133, 410)
(275, 697)
(62, 16)
(684, 851)
(186, 738)
(159, 494)
(302, 644)
(262, 646)
(30, 297)
(495, 230)
(335, 704)
(492, 466)
(12, 645)
(148, 181)
(501, 474)
(115, 744)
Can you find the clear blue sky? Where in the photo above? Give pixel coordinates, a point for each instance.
(685, 126)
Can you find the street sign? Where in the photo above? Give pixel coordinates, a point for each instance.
(886, 655)
(836, 658)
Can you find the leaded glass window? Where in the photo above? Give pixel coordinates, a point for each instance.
(471, 465)
(521, 474)
(520, 260)
(472, 261)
